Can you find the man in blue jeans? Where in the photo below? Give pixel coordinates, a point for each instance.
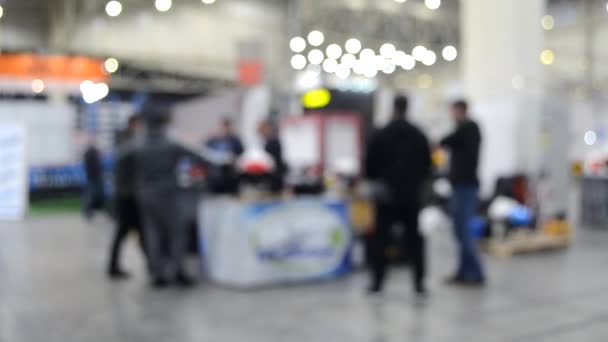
(464, 145)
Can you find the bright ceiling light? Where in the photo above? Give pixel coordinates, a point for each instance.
(334, 51)
(400, 1)
(370, 72)
(113, 8)
(315, 57)
(380, 62)
(37, 86)
(330, 66)
(298, 62)
(389, 68)
(93, 92)
(590, 138)
(343, 71)
(547, 57)
(316, 38)
(353, 46)
(359, 68)
(547, 22)
(367, 54)
(387, 50)
(297, 44)
(163, 5)
(398, 58)
(409, 62)
(430, 58)
(111, 65)
(348, 60)
(449, 53)
(208, 2)
(419, 52)
(432, 4)
(1, 11)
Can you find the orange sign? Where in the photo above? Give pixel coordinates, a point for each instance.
(250, 72)
(60, 68)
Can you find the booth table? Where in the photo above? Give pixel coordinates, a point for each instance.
(248, 244)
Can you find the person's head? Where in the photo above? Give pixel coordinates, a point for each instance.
(400, 106)
(227, 128)
(459, 110)
(156, 117)
(134, 124)
(266, 129)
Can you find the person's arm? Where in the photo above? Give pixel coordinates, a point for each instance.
(454, 139)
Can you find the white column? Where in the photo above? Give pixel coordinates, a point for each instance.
(503, 76)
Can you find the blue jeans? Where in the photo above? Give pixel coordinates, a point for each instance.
(463, 207)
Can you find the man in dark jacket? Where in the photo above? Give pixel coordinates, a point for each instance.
(94, 192)
(159, 195)
(399, 160)
(464, 144)
(224, 176)
(127, 209)
(272, 146)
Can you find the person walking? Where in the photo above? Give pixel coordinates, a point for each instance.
(159, 196)
(126, 207)
(399, 162)
(94, 192)
(464, 144)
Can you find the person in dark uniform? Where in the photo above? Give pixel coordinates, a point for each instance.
(224, 177)
(464, 144)
(399, 161)
(159, 195)
(127, 210)
(272, 145)
(94, 192)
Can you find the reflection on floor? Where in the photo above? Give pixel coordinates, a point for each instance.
(52, 288)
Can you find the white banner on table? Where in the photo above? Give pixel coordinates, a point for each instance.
(13, 171)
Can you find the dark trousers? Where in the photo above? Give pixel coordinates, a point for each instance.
(127, 219)
(414, 244)
(462, 207)
(166, 234)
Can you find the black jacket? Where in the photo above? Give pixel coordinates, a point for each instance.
(464, 144)
(92, 166)
(399, 156)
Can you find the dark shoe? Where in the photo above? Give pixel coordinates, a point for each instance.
(461, 281)
(184, 280)
(118, 274)
(160, 283)
(374, 289)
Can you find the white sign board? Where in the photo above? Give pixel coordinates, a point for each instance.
(13, 171)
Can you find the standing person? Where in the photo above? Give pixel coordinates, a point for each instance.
(227, 143)
(272, 145)
(399, 160)
(158, 194)
(94, 193)
(127, 209)
(464, 144)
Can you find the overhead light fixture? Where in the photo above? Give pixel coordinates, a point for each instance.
(111, 65)
(208, 2)
(430, 58)
(163, 5)
(316, 38)
(93, 92)
(419, 52)
(113, 8)
(298, 62)
(343, 71)
(370, 72)
(547, 22)
(330, 65)
(1, 11)
(547, 57)
(348, 60)
(387, 50)
(409, 62)
(353, 46)
(432, 4)
(367, 54)
(400, 1)
(315, 57)
(297, 44)
(389, 68)
(37, 86)
(334, 51)
(449, 53)
(590, 138)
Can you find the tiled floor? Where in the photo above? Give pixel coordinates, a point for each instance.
(52, 289)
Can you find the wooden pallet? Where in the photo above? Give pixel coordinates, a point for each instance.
(525, 243)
